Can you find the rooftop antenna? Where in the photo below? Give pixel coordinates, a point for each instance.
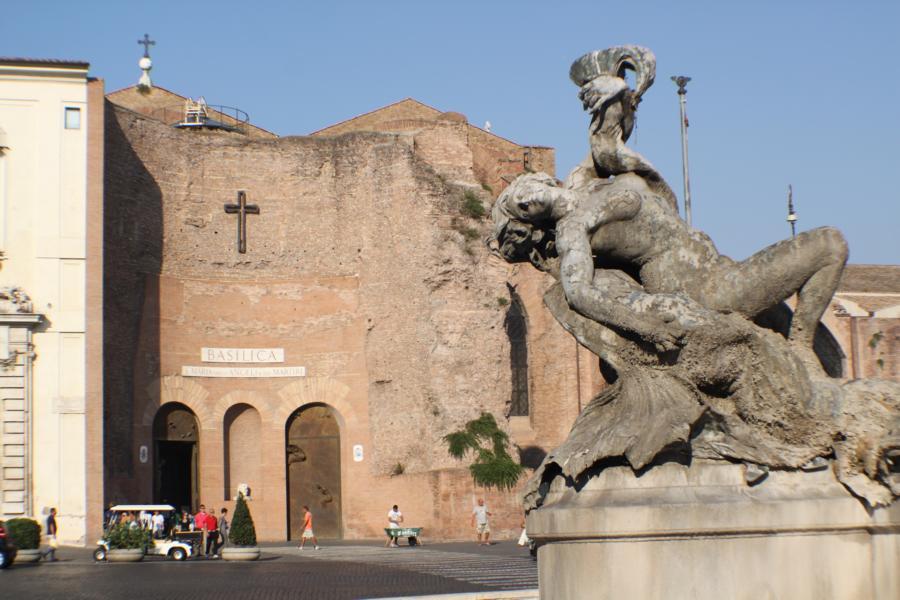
(792, 216)
(144, 84)
(681, 81)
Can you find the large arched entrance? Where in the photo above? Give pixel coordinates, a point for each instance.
(176, 478)
(313, 462)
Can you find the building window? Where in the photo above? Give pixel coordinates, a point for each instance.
(73, 118)
(517, 331)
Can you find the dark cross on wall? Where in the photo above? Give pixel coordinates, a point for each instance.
(147, 42)
(242, 209)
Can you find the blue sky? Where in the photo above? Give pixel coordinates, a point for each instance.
(804, 93)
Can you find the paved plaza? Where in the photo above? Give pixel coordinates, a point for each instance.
(338, 571)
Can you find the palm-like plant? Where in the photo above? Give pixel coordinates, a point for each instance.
(493, 466)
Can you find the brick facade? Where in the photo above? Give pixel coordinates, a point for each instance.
(362, 268)
(495, 161)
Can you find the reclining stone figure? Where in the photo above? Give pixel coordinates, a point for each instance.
(671, 318)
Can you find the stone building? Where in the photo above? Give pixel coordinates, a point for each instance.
(363, 321)
(865, 319)
(51, 215)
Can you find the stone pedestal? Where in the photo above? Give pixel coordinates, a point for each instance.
(700, 532)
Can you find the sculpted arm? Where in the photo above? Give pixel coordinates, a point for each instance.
(573, 244)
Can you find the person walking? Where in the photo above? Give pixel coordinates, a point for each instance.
(50, 553)
(395, 517)
(480, 516)
(223, 528)
(212, 534)
(308, 529)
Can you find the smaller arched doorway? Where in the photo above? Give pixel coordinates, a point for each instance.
(176, 477)
(313, 463)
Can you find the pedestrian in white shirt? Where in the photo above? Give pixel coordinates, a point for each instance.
(158, 525)
(395, 517)
(480, 516)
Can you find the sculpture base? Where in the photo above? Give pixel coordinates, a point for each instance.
(700, 532)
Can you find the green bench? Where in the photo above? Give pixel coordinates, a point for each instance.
(410, 533)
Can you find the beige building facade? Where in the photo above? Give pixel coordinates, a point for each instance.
(50, 327)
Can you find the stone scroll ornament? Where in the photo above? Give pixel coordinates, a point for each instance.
(687, 338)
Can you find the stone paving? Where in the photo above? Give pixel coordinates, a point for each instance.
(339, 571)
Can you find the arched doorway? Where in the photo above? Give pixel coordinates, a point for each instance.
(176, 436)
(313, 462)
(243, 449)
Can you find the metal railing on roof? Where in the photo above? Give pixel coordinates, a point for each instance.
(201, 115)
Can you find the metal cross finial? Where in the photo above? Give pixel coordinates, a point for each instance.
(242, 209)
(147, 42)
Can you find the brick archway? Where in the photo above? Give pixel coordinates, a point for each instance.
(315, 390)
(174, 388)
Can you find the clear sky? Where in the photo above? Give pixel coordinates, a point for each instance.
(804, 92)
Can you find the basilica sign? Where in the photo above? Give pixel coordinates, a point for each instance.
(191, 371)
(242, 355)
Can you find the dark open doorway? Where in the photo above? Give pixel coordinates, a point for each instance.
(313, 457)
(176, 460)
(175, 473)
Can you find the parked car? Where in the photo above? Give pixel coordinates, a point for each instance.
(8, 550)
(169, 547)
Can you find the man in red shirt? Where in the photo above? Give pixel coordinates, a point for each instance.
(200, 519)
(200, 525)
(212, 534)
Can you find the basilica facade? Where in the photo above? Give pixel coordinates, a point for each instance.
(310, 316)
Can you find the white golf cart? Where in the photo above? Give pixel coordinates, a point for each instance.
(171, 548)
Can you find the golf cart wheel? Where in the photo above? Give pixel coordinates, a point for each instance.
(100, 554)
(413, 541)
(178, 554)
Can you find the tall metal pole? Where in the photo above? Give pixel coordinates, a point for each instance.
(681, 81)
(792, 216)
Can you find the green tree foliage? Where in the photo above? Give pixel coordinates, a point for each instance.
(25, 533)
(493, 466)
(242, 532)
(125, 537)
(472, 206)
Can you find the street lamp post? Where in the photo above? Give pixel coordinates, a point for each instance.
(681, 81)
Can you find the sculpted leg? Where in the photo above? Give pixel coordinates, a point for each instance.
(810, 265)
(816, 293)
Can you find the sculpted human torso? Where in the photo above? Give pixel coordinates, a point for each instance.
(673, 318)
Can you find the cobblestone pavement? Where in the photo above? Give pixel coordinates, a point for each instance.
(499, 571)
(339, 571)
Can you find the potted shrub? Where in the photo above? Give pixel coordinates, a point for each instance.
(126, 543)
(26, 534)
(242, 535)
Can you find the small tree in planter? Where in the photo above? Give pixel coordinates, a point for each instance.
(26, 535)
(242, 534)
(127, 543)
